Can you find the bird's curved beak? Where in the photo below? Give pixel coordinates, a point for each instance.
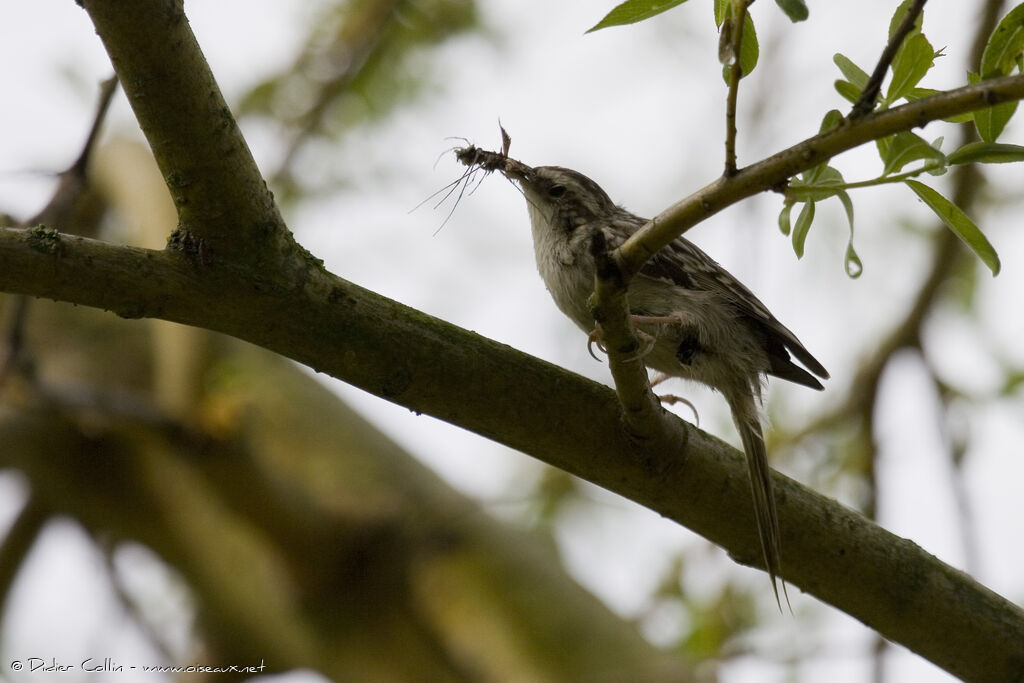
(516, 170)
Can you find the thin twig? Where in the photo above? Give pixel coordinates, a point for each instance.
(735, 74)
(368, 34)
(73, 179)
(107, 90)
(867, 98)
(57, 214)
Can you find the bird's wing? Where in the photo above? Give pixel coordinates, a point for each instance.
(683, 264)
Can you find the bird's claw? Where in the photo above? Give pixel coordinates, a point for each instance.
(594, 339)
(672, 399)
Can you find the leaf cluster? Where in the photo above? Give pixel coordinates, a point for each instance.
(633, 11)
(905, 155)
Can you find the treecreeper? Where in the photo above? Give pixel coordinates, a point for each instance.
(696, 320)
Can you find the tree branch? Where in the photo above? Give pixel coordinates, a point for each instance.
(642, 412)
(224, 206)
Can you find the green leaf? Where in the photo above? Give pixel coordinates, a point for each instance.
(784, 223)
(820, 182)
(987, 153)
(991, 122)
(632, 11)
(814, 185)
(749, 51)
(856, 75)
(960, 118)
(796, 10)
(722, 10)
(1005, 45)
(904, 148)
(851, 263)
(848, 90)
(957, 221)
(913, 60)
(803, 226)
(897, 19)
(833, 119)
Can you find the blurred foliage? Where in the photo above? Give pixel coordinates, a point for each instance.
(361, 60)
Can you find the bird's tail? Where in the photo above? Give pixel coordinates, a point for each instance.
(745, 414)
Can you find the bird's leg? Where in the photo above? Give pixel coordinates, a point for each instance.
(659, 378)
(648, 341)
(657, 319)
(646, 345)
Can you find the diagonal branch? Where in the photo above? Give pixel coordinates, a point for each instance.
(644, 417)
(224, 206)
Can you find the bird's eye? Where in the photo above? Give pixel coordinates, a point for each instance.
(556, 191)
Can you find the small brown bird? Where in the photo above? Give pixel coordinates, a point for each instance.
(702, 323)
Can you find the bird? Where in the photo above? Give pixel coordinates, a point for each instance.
(699, 321)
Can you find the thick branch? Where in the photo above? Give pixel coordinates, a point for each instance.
(223, 203)
(777, 169)
(432, 367)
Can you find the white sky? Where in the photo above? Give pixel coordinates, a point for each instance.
(640, 110)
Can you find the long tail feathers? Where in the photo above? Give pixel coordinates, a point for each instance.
(749, 426)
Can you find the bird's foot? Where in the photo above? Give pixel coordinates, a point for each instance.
(595, 338)
(647, 341)
(672, 399)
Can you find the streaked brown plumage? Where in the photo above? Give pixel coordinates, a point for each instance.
(718, 333)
